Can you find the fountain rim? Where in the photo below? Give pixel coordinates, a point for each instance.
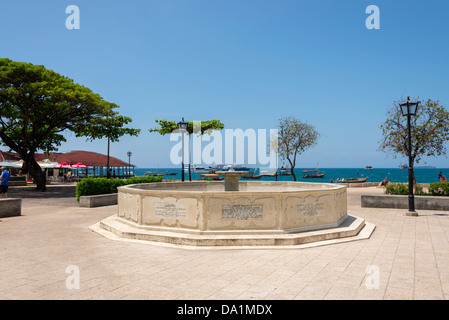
(132, 188)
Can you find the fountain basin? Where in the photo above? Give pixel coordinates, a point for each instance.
(257, 208)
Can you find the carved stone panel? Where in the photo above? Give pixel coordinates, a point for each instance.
(170, 210)
(242, 212)
(311, 206)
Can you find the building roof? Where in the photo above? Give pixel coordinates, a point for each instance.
(6, 156)
(88, 158)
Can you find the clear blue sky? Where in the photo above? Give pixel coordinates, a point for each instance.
(247, 63)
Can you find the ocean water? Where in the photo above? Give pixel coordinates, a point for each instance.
(422, 175)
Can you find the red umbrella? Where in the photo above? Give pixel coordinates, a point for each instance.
(79, 165)
(63, 165)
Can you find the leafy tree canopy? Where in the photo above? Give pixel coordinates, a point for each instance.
(295, 137)
(167, 126)
(429, 130)
(37, 105)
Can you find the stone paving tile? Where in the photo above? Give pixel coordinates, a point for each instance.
(405, 258)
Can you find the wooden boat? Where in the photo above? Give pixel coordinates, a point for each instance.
(251, 176)
(209, 176)
(312, 174)
(350, 180)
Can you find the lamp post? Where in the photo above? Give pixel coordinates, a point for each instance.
(408, 109)
(182, 125)
(129, 153)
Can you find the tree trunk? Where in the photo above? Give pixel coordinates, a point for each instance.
(34, 170)
(108, 173)
(292, 169)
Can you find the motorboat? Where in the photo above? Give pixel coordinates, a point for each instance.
(196, 168)
(368, 168)
(227, 167)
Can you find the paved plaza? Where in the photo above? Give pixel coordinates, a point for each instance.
(51, 253)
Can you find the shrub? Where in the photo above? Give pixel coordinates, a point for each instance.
(439, 189)
(95, 186)
(402, 189)
(147, 179)
(396, 188)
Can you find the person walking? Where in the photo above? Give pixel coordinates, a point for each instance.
(440, 176)
(4, 182)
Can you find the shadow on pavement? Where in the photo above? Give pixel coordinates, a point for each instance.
(51, 192)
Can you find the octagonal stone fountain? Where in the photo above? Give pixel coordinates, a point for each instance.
(234, 213)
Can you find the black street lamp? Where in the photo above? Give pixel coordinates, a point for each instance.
(182, 125)
(408, 109)
(129, 153)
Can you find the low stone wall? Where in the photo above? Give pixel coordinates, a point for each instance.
(401, 202)
(10, 207)
(18, 181)
(98, 200)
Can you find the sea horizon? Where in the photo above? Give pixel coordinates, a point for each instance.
(422, 174)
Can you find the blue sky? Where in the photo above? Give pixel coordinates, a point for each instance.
(247, 63)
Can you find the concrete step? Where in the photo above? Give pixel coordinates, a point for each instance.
(353, 228)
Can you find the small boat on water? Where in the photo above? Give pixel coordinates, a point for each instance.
(210, 176)
(368, 168)
(284, 170)
(306, 174)
(349, 180)
(251, 175)
(313, 174)
(159, 174)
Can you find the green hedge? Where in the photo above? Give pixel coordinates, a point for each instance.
(402, 189)
(435, 189)
(439, 189)
(94, 186)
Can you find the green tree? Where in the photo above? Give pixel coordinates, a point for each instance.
(168, 126)
(37, 105)
(110, 127)
(294, 138)
(429, 131)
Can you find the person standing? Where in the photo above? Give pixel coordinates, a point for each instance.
(440, 176)
(4, 182)
(44, 180)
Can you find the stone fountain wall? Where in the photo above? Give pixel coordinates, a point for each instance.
(259, 207)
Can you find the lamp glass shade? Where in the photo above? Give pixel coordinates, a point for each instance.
(182, 125)
(409, 108)
(413, 107)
